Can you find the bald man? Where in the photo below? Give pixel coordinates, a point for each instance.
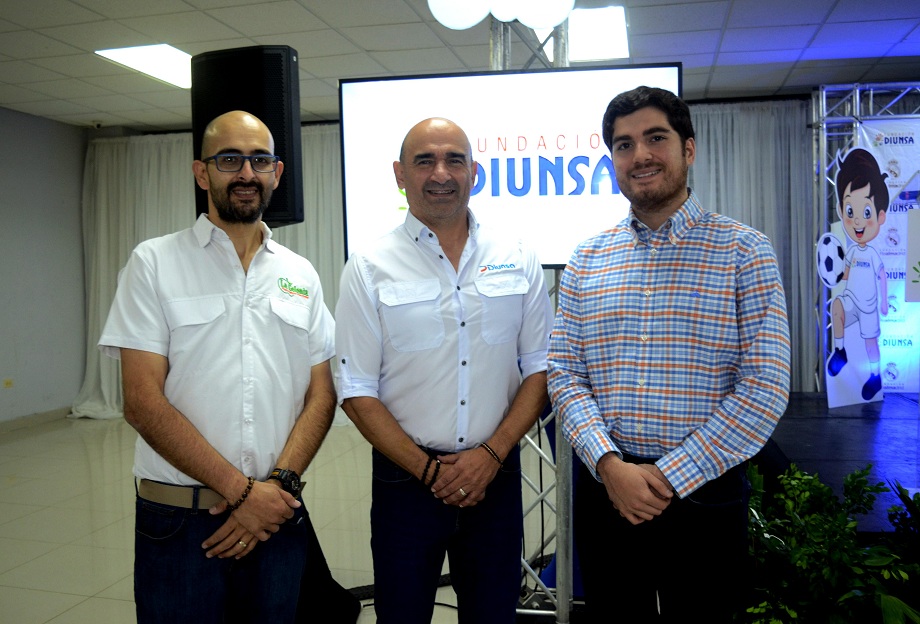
(224, 341)
(442, 330)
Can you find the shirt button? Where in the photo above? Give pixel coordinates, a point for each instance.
(648, 292)
(462, 401)
(462, 323)
(463, 363)
(460, 439)
(641, 383)
(653, 251)
(458, 288)
(644, 337)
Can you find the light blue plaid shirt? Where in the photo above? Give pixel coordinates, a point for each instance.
(672, 344)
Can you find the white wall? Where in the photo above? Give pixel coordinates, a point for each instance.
(42, 317)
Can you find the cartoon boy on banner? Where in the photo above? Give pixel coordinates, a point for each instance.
(862, 202)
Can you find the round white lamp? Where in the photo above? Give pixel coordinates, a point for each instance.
(459, 14)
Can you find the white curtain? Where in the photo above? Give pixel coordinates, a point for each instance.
(133, 189)
(137, 188)
(754, 164)
(320, 237)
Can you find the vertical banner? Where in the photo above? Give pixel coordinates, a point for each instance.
(912, 280)
(896, 145)
(852, 267)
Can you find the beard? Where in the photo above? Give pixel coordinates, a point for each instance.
(651, 199)
(231, 210)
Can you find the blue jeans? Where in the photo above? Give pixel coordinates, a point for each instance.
(174, 581)
(411, 531)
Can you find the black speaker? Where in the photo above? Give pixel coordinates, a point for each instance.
(264, 81)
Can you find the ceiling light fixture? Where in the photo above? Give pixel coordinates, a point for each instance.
(460, 15)
(598, 34)
(594, 35)
(160, 61)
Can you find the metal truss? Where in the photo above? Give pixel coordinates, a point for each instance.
(547, 480)
(837, 113)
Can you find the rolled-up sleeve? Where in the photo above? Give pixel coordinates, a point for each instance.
(537, 321)
(358, 335)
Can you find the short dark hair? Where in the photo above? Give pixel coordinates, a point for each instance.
(629, 102)
(860, 169)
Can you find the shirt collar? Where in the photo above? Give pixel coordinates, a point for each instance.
(419, 231)
(205, 231)
(677, 225)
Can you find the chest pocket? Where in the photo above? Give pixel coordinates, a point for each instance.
(291, 313)
(412, 314)
(192, 312)
(502, 297)
(295, 325)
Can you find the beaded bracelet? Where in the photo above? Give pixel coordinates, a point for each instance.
(242, 498)
(425, 472)
(434, 477)
(492, 453)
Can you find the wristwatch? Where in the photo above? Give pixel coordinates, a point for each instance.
(290, 480)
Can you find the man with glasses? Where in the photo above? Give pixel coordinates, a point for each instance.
(224, 341)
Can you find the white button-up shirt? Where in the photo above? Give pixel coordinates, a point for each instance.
(444, 350)
(240, 344)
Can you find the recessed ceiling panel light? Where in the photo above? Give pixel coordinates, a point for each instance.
(594, 35)
(598, 34)
(160, 61)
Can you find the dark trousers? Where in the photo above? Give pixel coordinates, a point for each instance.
(690, 564)
(321, 598)
(411, 531)
(174, 581)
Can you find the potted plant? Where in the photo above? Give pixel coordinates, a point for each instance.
(811, 565)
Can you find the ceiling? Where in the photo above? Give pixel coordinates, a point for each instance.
(729, 48)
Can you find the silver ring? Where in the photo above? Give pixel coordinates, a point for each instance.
(462, 493)
(242, 543)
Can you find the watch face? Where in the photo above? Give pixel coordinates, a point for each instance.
(290, 481)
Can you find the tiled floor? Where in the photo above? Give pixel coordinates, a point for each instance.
(67, 520)
(67, 513)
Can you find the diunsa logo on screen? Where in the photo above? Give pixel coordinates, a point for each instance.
(519, 177)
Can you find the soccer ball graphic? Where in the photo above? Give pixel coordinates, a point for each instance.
(829, 255)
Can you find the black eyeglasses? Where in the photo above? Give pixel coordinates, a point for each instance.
(231, 163)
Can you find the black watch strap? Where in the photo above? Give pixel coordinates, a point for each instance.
(290, 480)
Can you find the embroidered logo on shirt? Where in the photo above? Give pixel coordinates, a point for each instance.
(288, 287)
(483, 268)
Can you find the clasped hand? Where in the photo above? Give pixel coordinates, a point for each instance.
(464, 477)
(640, 492)
(266, 508)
